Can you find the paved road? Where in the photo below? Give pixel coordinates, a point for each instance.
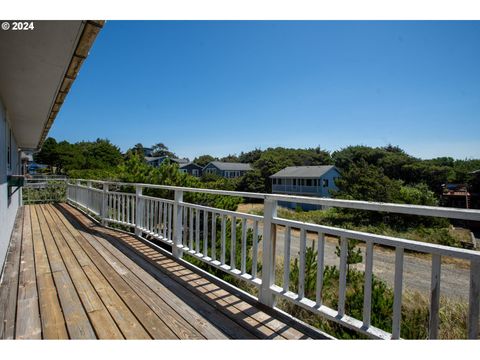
(417, 270)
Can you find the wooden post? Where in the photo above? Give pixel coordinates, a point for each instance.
(138, 210)
(266, 295)
(177, 224)
(104, 214)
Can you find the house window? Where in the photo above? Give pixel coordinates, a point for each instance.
(325, 182)
(195, 172)
(309, 182)
(294, 182)
(274, 181)
(279, 181)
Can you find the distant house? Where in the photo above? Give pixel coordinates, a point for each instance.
(316, 181)
(226, 169)
(191, 169)
(456, 195)
(156, 161)
(147, 152)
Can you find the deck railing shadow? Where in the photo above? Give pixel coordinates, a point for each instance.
(166, 273)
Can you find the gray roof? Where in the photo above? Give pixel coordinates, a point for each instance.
(303, 171)
(190, 163)
(230, 166)
(179, 161)
(154, 158)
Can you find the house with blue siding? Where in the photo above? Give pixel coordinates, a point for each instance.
(191, 169)
(318, 181)
(228, 170)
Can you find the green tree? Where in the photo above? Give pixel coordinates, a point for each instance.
(363, 181)
(230, 158)
(250, 157)
(48, 154)
(203, 160)
(354, 254)
(160, 149)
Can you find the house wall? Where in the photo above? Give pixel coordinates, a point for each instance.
(190, 168)
(8, 207)
(287, 187)
(211, 168)
(223, 173)
(330, 176)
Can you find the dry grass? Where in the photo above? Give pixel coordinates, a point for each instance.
(250, 208)
(453, 317)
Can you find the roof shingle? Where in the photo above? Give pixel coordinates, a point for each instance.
(303, 171)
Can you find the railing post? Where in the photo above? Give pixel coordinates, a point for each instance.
(104, 214)
(266, 295)
(474, 300)
(138, 210)
(89, 196)
(77, 192)
(177, 224)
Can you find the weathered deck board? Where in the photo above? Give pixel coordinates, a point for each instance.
(9, 283)
(125, 319)
(100, 319)
(28, 324)
(196, 311)
(66, 276)
(178, 325)
(78, 324)
(151, 322)
(53, 322)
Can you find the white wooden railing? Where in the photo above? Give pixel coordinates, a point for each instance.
(43, 189)
(192, 229)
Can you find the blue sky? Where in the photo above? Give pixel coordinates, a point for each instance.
(222, 87)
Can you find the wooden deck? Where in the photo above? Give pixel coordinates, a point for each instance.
(67, 277)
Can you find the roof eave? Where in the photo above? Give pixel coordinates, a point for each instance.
(86, 40)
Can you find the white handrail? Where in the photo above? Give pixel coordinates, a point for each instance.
(184, 226)
(421, 210)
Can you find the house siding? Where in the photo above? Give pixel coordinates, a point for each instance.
(319, 190)
(8, 207)
(189, 169)
(229, 174)
(210, 168)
